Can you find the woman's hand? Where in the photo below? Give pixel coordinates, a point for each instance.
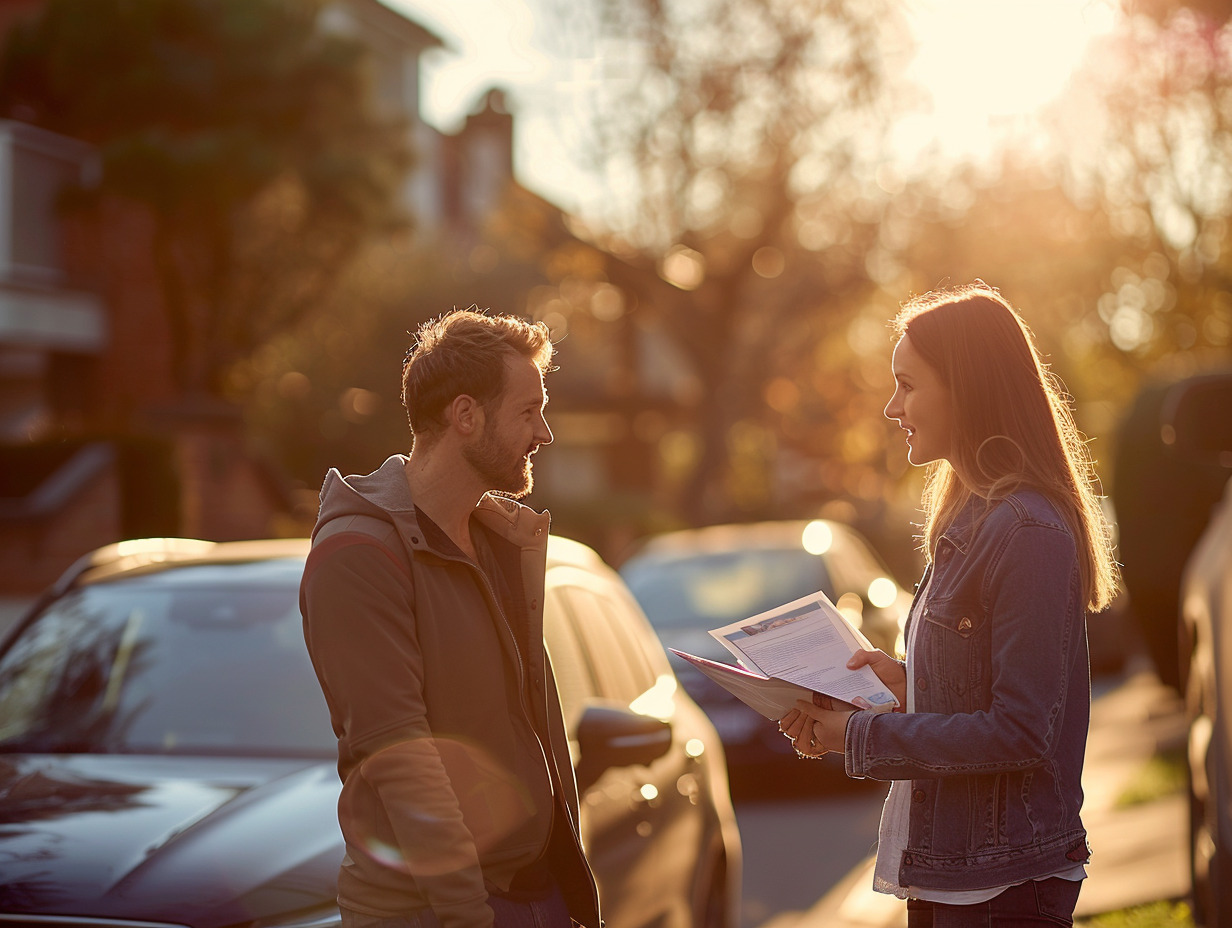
(818, 727)
(889, 671)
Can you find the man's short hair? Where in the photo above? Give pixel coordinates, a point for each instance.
(463, 352)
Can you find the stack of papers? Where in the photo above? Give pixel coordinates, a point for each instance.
(791, 652)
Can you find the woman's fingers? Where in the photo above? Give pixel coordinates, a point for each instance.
(792, 724)
(806, 725)
(826, 729)
(889, 671)
(807, 744)
(814, 741)
(859, 659)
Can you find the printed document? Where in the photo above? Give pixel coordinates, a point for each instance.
(788, 653)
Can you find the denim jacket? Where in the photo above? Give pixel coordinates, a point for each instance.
(995, 746)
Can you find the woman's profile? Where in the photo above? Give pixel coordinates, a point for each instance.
(982, 823)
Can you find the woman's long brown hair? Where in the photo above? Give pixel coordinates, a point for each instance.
(1012, 424)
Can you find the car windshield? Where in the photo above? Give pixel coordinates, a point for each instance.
(200, 659)
(713, 589)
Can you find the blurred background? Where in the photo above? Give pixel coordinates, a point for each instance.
(219, 219)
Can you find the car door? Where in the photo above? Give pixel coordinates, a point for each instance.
(643, 826)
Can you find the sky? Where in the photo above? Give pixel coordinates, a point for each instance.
(986, 67)
(488, 41)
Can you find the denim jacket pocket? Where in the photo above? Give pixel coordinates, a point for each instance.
(954, 673)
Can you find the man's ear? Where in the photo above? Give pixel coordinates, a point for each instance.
(464, 415)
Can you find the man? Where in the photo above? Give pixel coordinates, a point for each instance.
(422, 600)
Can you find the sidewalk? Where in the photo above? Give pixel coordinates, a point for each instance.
(1139, 854)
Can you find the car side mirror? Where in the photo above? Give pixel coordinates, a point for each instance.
(610, 735)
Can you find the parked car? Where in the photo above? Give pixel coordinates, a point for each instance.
(1202, 433)
(1206, 611)
(691, 581)
(1165, 480)
(166, 754)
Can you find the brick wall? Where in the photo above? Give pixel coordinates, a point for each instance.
(35, 551)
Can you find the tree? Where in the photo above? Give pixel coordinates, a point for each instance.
(326, 393)
(242, 128)
(741, 142)
(1218, 10)
(1164, 174)
(1167, 186)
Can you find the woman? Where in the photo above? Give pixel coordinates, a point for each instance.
(981, 825)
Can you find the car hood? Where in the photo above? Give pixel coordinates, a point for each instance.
(200, 841)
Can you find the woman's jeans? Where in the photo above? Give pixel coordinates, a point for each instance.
(1035, 902)
(551, 912)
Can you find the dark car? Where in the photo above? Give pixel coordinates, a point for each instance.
(1206, 609)
(689, 582)
(166, 755)
(1201, 433)
(1166, 478)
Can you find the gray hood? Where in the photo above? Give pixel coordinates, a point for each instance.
(384, 494)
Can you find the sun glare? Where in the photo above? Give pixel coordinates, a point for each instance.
(987, 67)
(984, 69)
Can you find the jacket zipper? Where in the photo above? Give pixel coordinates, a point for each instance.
(544, 753)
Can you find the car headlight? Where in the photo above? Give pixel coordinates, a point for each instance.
(882, 592)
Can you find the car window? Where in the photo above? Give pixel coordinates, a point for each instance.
(144, 665)
(619, 677)
(640, 633)
(574, 680)
(604, 626)
(712, 589)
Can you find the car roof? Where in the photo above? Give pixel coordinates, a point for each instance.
(565, 552)
(735, 536)
(146, 555)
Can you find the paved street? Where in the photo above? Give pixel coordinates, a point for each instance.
(796, 849)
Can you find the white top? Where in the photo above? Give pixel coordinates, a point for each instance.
(893, 831)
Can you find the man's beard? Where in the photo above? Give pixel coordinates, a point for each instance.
(501, 471)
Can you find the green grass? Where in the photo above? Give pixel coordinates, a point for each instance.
(1165, 774)
(1153, 915)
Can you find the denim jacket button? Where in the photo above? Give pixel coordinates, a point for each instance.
(907, 860)
(921, 683)
(917, 795)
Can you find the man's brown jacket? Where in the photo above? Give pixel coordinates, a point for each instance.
(451, 746)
